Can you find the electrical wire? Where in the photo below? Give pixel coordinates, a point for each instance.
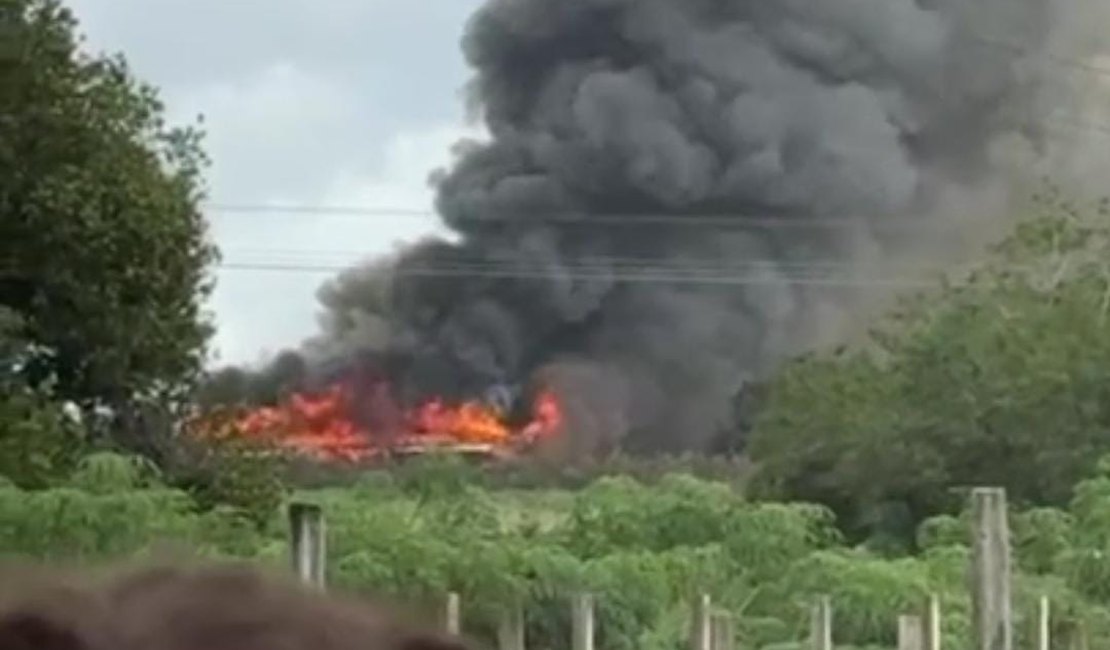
(813, 272)
(650, 276)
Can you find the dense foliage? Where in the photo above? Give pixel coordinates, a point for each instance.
(643, 550)
(103, 250)
(40, 442)
(999, 378)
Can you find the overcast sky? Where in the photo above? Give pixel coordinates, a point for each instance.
(306, 102)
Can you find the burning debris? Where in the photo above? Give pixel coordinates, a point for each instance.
(676, 195)
(324, 426)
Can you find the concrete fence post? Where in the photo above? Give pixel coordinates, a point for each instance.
(990, 570)
(722, 631)
(930, 625)
(582, 622)
(701, 635)
(1081, 641)
(910, 629)
(821, 625)
(510, 633)
(1044, 623)
(452, 616)
(307, 543)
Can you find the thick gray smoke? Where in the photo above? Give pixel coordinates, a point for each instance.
(670, 185)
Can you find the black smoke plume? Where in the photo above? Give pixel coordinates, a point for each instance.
(673, 191)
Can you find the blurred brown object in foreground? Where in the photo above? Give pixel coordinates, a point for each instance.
(195, 608)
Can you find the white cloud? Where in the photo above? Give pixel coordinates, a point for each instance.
(308, 102)
(278, 134)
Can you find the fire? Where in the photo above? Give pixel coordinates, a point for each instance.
(321, 425)
(470, 422)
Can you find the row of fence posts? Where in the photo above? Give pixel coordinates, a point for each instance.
(714, 629)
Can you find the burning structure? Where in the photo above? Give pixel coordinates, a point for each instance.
(320, 426)
(675, 195)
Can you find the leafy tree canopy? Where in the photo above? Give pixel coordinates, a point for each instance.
(40, 443)
(1002, 378)
(103, 250)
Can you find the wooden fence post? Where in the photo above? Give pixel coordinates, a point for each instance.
(990, 570)
(1043, 624)
(307, 547)
(910, 632)
(821, 625)
(452, 617)
(582, 622)
(1081, 641)
(722, 631)
(510, 633)
(930, 627)
(701, 635)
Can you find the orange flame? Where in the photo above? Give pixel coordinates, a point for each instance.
(469, 422)
(320, 425)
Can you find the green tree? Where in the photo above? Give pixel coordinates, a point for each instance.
(39, 442)
(1001, 378)
(240, 475)
(103, 250)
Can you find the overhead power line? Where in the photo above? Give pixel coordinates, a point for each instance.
(722, 220)
(1055, 59)
(593, 219)
(595, 263)
(635, 269)
(827, 273)
(650, 276)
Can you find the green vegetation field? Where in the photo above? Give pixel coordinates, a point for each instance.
(643, 549)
